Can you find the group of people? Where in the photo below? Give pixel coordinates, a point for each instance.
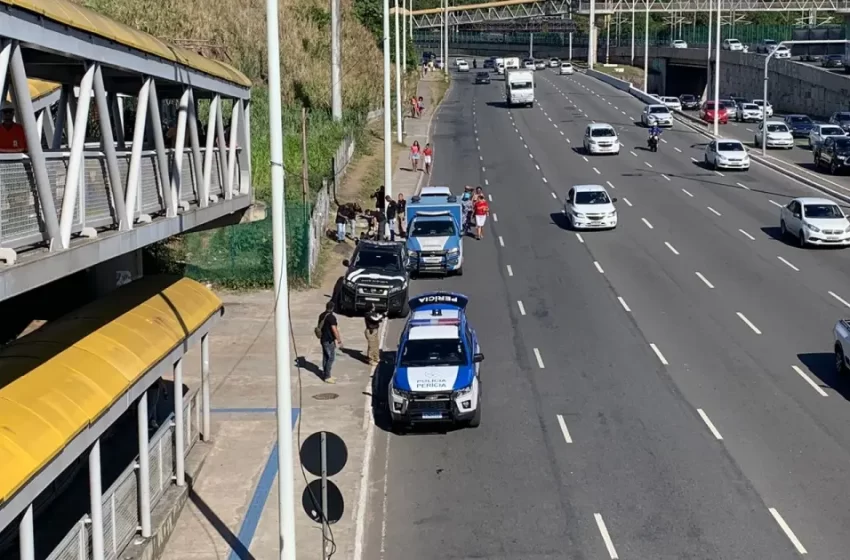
(417, 153)
(327, 331)
(475, 210)
(417, 106)
(384, 222)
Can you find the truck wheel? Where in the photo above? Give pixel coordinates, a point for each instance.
(840, 367)
(405, 309)
(459, 272)
(475, 421)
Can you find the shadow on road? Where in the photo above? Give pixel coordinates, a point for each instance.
(822, 365)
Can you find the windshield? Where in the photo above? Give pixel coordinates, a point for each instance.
(730, 147)
(521, 85)
(769, 42)
(733, 41)
(777, 128)
(822, 211)
(383, 260)
(709, 106)
(800, 120)
(750, 107)
(433, 228)
(831, 131)
(435, 352)
(842, 144)
(602, 132)
(654, 110)
(758, 102)
(842, 117)
(592, 197)
(688, 98)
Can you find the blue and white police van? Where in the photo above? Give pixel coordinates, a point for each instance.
(437, 371)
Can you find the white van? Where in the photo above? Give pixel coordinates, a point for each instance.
(499, 65)
(519, 88)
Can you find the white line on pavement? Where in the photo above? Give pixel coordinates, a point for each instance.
(673, 249)
(748, 322)
(555, 125)
(600, 523)
(624, 304)
(788, 532)
(569, 141)
(708, 423)
(666, 177)
(537, 166)
(789, 264)
(580, 238)
(663, 140)
(626, 200)
(610, 185)
(648, 164)
(677, 149)
(483, 169)
(694, 160)
(544, 180)
(526, 146)
(584, 158)
(510, 270)
(809, 380)
(521, 308)
(597, 171)
(774, 203)
(644, 220)
(564, 429)
(598, 267)
(747, 234)
(750, 130)
(531, 156)
(495, 217)
(486, 182)
(562, 132)
(719, 173)
(687, 193)
(631, 152)
(554, 196)
(839, 298)
(501, 241)
(623, 112)
(539, 359)
(714, 211)
(481, 157)
(743, 186)
(705, 280)
(658, 353)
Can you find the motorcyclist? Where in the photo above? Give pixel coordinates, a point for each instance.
(475, 63)
(654, 135)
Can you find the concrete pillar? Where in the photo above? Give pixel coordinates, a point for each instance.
(108, 276)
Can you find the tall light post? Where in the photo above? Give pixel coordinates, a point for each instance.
(717, 72)
(708, 52)
(286, 478)
(388, 107)
(446, 37)
(336, 64)
(404, 36)
(634, 2)
(442, 28)
(591, 46)
(570, 12)
(398, 119)
(646, 50)
(607, 39)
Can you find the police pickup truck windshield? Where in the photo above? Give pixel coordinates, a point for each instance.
(433, 228)
(439, 352)
(378, 260)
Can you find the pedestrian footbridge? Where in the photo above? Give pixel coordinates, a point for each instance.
(128, 141)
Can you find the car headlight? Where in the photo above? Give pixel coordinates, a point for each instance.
(399, 393)
(453, 251)
(611, 214)
(412, 254)
(398, 288)
(462, 392)
(812, 228)
(578, 214)
(348, 283)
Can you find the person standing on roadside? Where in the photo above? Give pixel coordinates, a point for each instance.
(400, 215)
(373, 328)
(481, 210)
(414, 156)
(428, 152)
(466, 202)
(327, 330)
(392, 213)
(421, 105)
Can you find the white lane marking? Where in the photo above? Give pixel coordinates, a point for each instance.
(809, 380)
(584, 158)
(714, 211)
(747, 234)
(562, 132)
(624, 304)
(789, 264)
(598, 267)
(705, 280)
(495, 217)
(554, 196)
(501, 241)
(597, 171)
(631, 152)
(569, 141)
(658, 353)
(748, 322)
(521, 308)
(550, 119)
(673, 249)
(708, 423)
(648, 164)
(526, 146)
(839, 298)
(626, 200)
(695, 160)
(788, 532)
(750, 130)
(774, 203)
(520, 137)
(564, 429)
(644, 220)
(663, 140)
(677, 149)
(623, 112)
(531, 156)
(719, 173)
(486, 182)
(743, 186)
(479, 149)
(610, 185)
(617, 108)
(545, 180)
(539, 359)
(510, 270)
(537, 166)
(580, 238)
(555, 125)
(483, 169)
(687, 193)
(600, 523)
(666, 177)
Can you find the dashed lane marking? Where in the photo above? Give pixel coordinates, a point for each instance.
(624, 304)
(521, 307)
(839, 298)
(687, 193)
(810, 381)
(788, 532)
(626, 200)
(789, 264)
(580, 238)
(539, 359)
(672, 249)
(708, 423)
(705, 280)
(748, 322)
(598, 267)
(713, 211)
(747, 234)
(501, 241)
(645, 221)
(603, 530)
(510, 270)
(564, 429)
(659, 354)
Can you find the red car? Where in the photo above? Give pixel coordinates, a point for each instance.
(706, 113)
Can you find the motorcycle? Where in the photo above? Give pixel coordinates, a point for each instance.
(652, 142)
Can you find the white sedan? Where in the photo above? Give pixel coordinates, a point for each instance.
(672, 103)
(821, 132)
(590, 207)
(656, 114)
(726, 153)
(566, 69)
(767, 107)
(679, 44)
(462, 66)
(815, 221)
(782, 52)
(778, 135)
(600, 138)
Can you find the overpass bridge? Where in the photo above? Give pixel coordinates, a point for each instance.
(126, 140)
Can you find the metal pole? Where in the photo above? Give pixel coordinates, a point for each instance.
(206, 433)
(26, 537)
(570, 15)
(324, 453)
(717, 71)
(442, 54)
(446, 36)
(764, 106)
(108, 145)
(286, 504)
(144, 466)
(404, 37)
(398, 120)
(646, 51)
(96, 501)
(179, 433)
(591, 51)
(336, 64)
(634, 2)
(135, 151)
(531, 45)
(388, 149)
(608, 40)
(708, 51)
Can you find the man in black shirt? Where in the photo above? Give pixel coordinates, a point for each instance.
(328, 328)
(373, 327)
(392, 212)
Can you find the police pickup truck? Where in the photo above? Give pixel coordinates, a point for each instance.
(377, 274)
(841, 334)
(435, 235)
(437, 374)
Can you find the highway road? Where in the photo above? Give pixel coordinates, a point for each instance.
(663, 390)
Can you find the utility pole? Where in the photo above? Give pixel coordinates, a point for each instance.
(336, 64)
(404, 37)
(646, 50)
(591, 50)
(633, 31)
(398, 119)
(717, 72)
(305, 168)
(388, 107)
(446, 37)
(286, 477)
(708, 52)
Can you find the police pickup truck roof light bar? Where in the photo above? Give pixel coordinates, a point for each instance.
(417, 199)
(436, 321)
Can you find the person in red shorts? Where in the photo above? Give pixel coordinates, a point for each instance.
(481, 210)
(12, 137)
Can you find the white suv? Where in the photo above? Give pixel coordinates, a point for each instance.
(732, 45)
(601, 138)
(590, 207)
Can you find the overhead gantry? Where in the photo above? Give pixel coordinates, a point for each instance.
(80, 194)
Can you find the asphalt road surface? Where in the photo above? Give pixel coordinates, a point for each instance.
(663, 390)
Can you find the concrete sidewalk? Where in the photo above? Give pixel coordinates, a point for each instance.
(232, 511)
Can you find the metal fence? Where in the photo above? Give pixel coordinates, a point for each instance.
(121, 501)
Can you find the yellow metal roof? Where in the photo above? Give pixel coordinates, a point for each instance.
(467, 7)
(57, 381)
(84, 19)
(38, 89)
